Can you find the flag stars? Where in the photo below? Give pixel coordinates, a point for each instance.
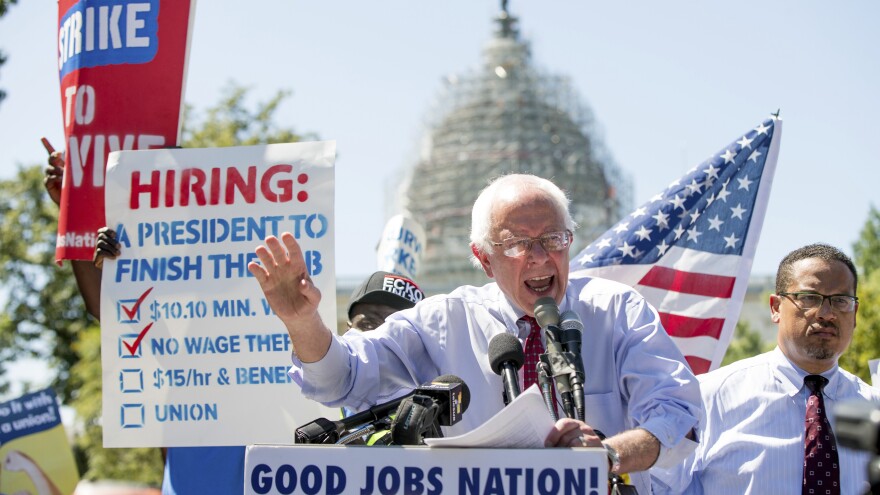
(640, 212)
(754, 156)
(662, 220)
(643, 233)
(745, 142)
(679, 230)
(728, 156)
(677, 202)
(694, 187)
(712, 172)
(604, 243)
(723, 193)
(709, 181)
(662, 247)
(730, 241)
(621, 227)
(587, 258)
(657, 197)
(684, 214)
(626, 249)
(737, 211)
(693, 234)
(715, 223)
(744, 183)
(762, 129)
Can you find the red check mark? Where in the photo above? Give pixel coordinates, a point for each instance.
(137, 342)
(134, 309)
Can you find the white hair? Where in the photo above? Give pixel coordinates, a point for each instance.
(489, 197)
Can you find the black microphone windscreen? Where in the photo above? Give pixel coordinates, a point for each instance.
(503, 348)
(321, 430)
(414, 420)
(465, 391)
(546, 312)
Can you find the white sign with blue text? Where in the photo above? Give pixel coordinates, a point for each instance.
(191, 352)
(336, 470)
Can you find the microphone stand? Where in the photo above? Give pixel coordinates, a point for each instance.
(561, 369)
(382, 424)
(543, 371)
(572, 331)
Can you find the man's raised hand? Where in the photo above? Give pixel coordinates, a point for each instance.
(284, 278)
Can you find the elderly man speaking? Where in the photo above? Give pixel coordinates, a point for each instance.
(638, 390)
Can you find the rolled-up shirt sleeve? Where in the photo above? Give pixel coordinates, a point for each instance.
(662, 393)
(358, 372)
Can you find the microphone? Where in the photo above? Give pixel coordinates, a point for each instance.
(572, 331)
(450, 391)
(421, 414)
(506, 357)
(547, 312)
(543, 370)
(547, 315)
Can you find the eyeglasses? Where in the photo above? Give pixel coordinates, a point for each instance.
(515, 247)
(812, 300)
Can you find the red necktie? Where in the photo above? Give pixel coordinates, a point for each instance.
(533, 350)
(821, 467)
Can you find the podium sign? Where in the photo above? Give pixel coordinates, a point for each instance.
(334, 470)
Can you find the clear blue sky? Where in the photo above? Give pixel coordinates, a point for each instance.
(669, 82)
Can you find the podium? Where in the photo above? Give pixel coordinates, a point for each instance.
(374, 470)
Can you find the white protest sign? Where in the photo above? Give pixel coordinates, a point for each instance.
(337, 470)
(400, 250)
(191, 352)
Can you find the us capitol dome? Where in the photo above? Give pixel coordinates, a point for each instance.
(506, 116)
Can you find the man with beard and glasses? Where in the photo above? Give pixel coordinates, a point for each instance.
(639, 390)
(768, 419)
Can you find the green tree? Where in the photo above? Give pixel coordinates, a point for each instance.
(230, 123)
(746, 343)
(42, 312)
(866, 339)
(44, 316)
(867, 249)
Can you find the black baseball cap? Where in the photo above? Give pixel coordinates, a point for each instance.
(389, 289)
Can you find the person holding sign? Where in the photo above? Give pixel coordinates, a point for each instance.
(88, 278)
(188, 470)
(638, 389)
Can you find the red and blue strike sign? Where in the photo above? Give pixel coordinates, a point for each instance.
(121, 67)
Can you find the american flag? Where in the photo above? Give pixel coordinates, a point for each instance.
(689, 250)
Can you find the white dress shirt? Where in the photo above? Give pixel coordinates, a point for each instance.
(634, 374)
(752, 437)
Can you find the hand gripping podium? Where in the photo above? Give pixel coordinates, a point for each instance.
(363, 470)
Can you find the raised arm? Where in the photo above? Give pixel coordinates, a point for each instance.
(284, 278)
(88, 278)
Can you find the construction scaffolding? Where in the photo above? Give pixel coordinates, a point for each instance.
(506, 116)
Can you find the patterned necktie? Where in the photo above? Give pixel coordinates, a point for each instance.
(533, 350)
(821, 468)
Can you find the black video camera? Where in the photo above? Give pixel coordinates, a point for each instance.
(857, 426)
